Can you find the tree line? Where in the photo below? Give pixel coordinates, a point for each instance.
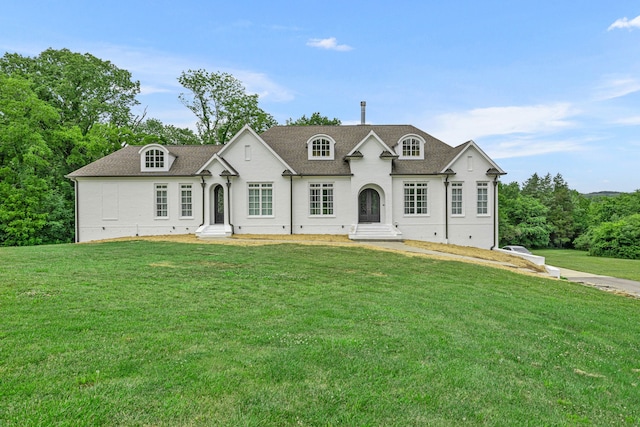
(61, 110)
(544, 212)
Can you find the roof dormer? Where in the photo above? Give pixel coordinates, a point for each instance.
(410, 147)
(320, 147)
(155, 158)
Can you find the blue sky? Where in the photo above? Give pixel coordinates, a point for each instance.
(542, 86)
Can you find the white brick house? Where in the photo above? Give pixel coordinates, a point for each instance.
(365, 181)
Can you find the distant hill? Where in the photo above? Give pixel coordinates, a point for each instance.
(603, 194)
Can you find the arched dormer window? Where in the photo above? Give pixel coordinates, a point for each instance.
(320, 147)
(155, 158)
(411, 147)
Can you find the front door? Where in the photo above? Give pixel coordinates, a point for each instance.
(369, 206)
(218, 205)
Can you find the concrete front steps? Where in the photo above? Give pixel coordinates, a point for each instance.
(214, 231)
(375, 232)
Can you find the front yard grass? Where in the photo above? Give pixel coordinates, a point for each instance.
(582, 261)
(158, 333)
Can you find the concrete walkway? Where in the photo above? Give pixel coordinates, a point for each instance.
(606, 283)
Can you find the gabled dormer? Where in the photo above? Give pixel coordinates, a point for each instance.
(410, 147)
(320, 147)
(155, 158)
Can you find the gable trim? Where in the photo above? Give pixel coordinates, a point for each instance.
(247, 128)
(382, 144)
(468, 145)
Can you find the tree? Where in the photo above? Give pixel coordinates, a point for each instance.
(221, 105)
(58, 111)
(523, 219)
(156, 131)
(83, 89)
(28, 198)
(619, 239)
(315, 119)
(561, 213)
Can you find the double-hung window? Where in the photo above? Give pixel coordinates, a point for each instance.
(415, 198)
(186, 201)
(320, 199)
(456, 198)
(162, 208)
(483, 198)
(261, 199)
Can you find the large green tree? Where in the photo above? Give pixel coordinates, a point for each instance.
(315, 119)
(153, 130)
(523, 219)
(85, 90)
(31, 205)
(58, 111)
(222, 106)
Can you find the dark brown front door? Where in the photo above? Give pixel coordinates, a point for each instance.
(369, 206)
(218, 205)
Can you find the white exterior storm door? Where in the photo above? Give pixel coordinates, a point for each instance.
(369, 206)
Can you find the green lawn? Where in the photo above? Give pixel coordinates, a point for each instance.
(166, 334)
(581, 261)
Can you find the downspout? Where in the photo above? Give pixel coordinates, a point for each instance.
(447, 173)
(446, 209)
(229, 204)
(288, 173)
(290, 204)
(496, 174)
(495, 211)
(203, 184)
(76, 238)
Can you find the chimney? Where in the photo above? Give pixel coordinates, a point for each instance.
(363, 108)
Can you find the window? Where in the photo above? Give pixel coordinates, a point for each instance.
(483, 198)
(186, 200)
(260, 199)
(415, 198)
(320, 199)
(456, 198)
(410, 147)
(321, 147)
(162, 210)
(154, 159)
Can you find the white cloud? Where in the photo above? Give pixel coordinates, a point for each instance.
(617, 87)
(150, 89)
(526, 147)
(329, 43)
(261, 84)
(481, 122)
(158, 72)
(628, 121)
(625, 23)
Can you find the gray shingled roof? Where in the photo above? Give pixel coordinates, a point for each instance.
(290, 144)
(126, 162)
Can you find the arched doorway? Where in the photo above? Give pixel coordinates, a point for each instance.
(369, 206)
(217, 205)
